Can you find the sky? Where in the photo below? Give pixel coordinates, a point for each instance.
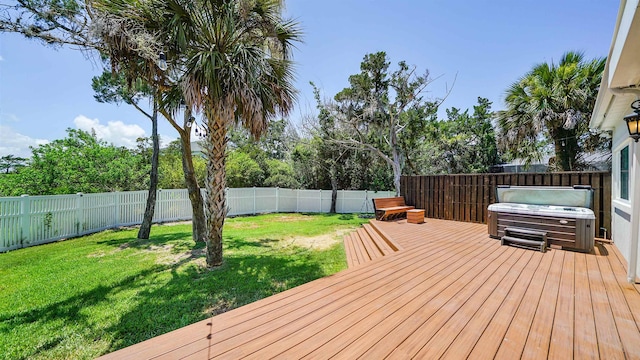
(473, 48)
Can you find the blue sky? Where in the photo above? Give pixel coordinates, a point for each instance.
(487, 44)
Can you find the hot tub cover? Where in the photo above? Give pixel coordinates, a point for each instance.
(572, 212)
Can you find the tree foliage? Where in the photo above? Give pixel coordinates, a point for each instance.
(463, 143)
(171, 173)
(551, 104)
(53, 22)
(265, 161)
(79, 163)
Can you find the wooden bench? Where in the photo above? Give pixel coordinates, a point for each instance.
(390, 208)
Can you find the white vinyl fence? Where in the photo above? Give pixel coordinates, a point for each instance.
(32, 220)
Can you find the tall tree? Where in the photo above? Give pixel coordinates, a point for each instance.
(75, 23)
(330, 153)
(377, 106)
(462, 143)
(114, 88)
(171, 103)
(237, 70)
(552, 102)
(11, 163)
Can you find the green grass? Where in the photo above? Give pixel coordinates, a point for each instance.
(85, 297)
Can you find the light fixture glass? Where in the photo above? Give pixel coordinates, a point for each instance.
(633, 121)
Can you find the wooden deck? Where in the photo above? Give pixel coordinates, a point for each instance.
(451, 292)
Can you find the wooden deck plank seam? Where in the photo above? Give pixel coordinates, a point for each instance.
(626, 326)
(534, 290)
(428, 330)
(491, 338)
(610, 347)
(386, 310)
(538, 339)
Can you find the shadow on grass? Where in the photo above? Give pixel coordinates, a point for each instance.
(194, 293)
(238, 242)
(166, 297)
(57, 316)
(157, 240)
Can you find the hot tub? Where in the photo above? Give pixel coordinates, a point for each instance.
(568, 225)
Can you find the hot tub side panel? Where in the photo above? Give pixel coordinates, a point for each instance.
(569, 233)
(492, 222)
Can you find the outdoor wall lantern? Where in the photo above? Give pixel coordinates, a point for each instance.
(633, 121)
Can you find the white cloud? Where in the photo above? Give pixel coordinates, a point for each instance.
(116, 132)
(13, 143)
(165, 140)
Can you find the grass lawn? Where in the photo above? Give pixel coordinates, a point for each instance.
(85, 297)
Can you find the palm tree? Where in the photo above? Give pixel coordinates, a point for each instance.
(237, 71)
(551, 102)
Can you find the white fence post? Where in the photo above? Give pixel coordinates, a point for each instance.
(277, 199)
(227, 208)
(366, 201)
(25, 217)
(254, 200)
(116, 209)
(297, 200)
(79, 213)
(158, 211)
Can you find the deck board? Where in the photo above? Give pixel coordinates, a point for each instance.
(609, 341)
(449, 292)
(562, 332)
(537, 345)
(622, 314)
(585, 341)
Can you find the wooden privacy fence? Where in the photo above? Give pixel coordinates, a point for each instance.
(465, 197)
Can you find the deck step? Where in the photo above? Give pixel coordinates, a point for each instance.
(395, 246)
(366, 244)
(380, 243)
(528, 238)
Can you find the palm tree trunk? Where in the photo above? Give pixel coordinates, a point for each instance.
(566, 149)
(145, 227)
(215, 205)
(197, 203)
(334, 187)
(199, 230)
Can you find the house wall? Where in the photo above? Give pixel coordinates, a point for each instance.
(622, 209)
